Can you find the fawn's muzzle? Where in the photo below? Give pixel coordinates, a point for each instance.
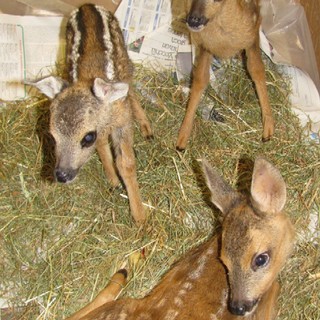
(65, 176)
(241, 308)
(195, 22)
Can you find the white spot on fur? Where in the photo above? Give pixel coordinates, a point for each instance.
(182, 292)
(171, 314)
(109, 68)
(210, 251)
(75, 45)
(224, 297)
(196, 273)
(161, 303)
(178, 301)
(254, 18)
(187, 286)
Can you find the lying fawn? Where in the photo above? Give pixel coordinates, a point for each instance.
(97, 104)
(232, 274)
(223, 28)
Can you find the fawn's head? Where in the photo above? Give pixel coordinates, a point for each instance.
(257, 237)
(200, 12)
(78, 116)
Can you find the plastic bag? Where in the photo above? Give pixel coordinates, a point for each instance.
(285, 25)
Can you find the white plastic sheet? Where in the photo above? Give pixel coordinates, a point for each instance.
(285, 25)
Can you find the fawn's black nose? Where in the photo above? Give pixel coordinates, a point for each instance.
(64, 176)
(240, 308)
(196, 22)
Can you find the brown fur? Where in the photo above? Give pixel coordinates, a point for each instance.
(230, 26)
(95, 108)
(218, 278)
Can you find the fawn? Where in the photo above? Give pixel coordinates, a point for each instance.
(94, 109)
(232, 274)
(223, 28)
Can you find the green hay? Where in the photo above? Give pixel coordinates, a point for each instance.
(61, 243)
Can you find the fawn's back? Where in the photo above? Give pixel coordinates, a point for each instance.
(95, 46)
(232, 274)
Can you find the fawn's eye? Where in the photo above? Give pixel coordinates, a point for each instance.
(260, 261)
(89, 139)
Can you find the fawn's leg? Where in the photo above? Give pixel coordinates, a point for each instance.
(106, 157)
(109, 293)
(140, 116)
(126, 164)
(257, 72)
(267, 309)
(199, 83)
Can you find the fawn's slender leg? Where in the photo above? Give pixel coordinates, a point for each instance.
(125, 162)
(106, 157)
(109, 293)
(140, 116)
(257, 72)
(267, 309)
(199, 83)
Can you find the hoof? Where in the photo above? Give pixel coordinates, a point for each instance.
(150, 137)
(124, 272)
(180, 149)
(266, 139)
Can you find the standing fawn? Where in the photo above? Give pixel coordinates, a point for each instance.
(232, 274)
(223, 28)
(94, 110)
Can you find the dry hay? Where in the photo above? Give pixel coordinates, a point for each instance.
(59, 244)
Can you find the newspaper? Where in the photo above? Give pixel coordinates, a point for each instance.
(30, 47)
(152, 33)
(140, 17)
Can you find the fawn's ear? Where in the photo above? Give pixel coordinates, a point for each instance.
(268, 189)
(109, 91)
(222, 194)
(50, 86)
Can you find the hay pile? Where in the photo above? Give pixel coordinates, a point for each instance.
(59, 244)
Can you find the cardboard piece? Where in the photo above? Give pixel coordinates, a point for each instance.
(49, 7)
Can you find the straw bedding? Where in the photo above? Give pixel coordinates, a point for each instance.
(59, 244)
